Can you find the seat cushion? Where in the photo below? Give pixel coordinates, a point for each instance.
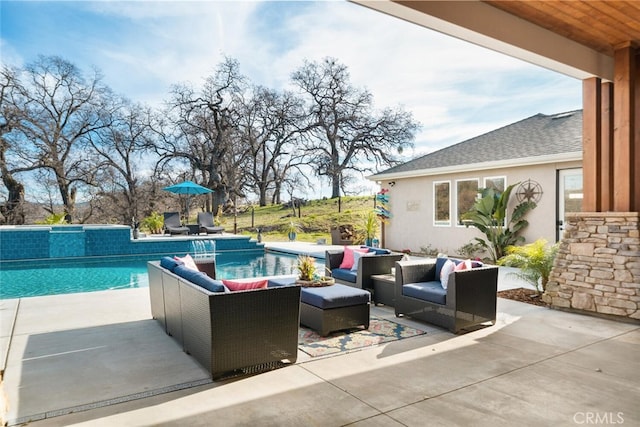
(426, 291)
(344, 274)
(281, 281)
(334, 296)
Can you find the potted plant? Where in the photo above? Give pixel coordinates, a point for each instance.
(135, 226)
(292, 230)
(307, 273)
(369, 227)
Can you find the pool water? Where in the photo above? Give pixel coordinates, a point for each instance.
(37, 278)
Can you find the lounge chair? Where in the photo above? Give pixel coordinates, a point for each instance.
(172, 224)
(205, 221)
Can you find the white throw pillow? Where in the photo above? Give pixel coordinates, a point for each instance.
(447, 269)
(188, 262)
(356, 258)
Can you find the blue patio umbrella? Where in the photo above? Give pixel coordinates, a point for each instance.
(188, 188)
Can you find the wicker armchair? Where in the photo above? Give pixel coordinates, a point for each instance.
(470, 298)
(367, 267)
(233, 332)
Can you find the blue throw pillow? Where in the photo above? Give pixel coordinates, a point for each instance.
(199, 278)
(170, 263)
(377, 251)
(439, 263)
(210, 284)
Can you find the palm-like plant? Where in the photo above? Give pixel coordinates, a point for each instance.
(153, 223)
(369, 226)
(306, 268)
(535, 261)
(489, 215)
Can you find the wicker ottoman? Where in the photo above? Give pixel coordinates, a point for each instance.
(333, 308)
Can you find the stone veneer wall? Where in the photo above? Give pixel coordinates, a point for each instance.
(597, 268)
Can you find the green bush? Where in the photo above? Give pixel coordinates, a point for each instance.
(534, 260)
(471, 250)
(489, 215)
(153, 223)
(54, 219)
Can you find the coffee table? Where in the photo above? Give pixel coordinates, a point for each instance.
(383, 289)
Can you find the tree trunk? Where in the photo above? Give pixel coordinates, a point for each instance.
(263, 196)
(335, 186)
(13, 211)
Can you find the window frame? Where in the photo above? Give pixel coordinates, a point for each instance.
(457, 210)
(436, 222)
(503, 177)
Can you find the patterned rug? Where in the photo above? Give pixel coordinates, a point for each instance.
(380, 331)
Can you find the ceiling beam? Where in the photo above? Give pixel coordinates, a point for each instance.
(487, 26)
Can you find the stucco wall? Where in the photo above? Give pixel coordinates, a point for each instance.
(412, 205)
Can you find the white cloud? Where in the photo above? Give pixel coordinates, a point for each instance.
(455, 89)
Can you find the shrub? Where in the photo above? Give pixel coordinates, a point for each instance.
(153, 223)
(54, 219)
(535, 261)
(489, 215)
(470, 250)
(429, 250)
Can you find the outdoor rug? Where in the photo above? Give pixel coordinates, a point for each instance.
(380, 331)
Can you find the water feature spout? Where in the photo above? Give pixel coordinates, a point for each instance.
(202, 248)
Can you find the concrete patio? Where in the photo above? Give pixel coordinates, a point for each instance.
(99, 359)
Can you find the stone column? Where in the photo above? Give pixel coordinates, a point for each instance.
(597, 268)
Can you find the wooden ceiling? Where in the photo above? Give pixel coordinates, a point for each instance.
(601, 25)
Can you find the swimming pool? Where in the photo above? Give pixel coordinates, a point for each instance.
(65, 276)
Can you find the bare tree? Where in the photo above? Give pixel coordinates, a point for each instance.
(270, 127)
(348, 134)
(201, 128)
(11, 212)
(123, 149)
(60, 110)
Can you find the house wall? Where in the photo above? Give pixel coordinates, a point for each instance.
(412, 205)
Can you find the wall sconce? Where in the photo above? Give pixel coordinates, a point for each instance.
(392, 183)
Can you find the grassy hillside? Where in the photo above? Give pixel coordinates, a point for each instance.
(316, 218)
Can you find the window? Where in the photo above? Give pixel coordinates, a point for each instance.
(442, 203)
(498, 183)
(467, 192)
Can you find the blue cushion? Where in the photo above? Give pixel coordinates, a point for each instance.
(281, 281)
(334, 296)
(199, 278)
(426, 291)
(212, 285)
(377, 251)
(344, 274)
(439, 263)
(169, 263)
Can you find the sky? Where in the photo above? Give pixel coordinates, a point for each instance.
(456, 90)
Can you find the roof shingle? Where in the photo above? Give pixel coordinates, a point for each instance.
(538, 135)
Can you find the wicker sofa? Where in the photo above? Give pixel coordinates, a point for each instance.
(468, 300)
(226, 332)
(380, 263)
